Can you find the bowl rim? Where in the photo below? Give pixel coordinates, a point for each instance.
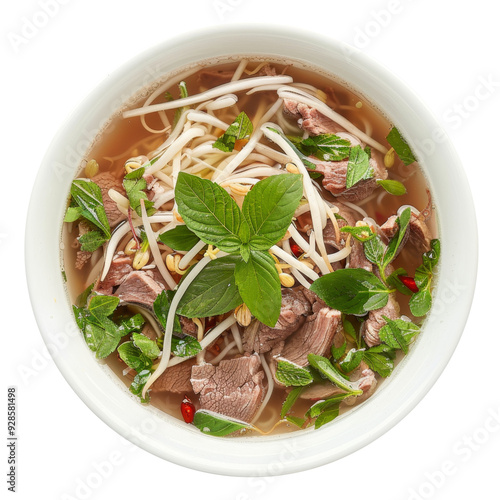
(272, 455)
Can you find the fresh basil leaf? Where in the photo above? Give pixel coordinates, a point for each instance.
(214, 290)
(138, 384)
(352, 360)
(135, 185)
(396, 140)
(72, 214)
(147, 346)
(392, 187)
(374, 250)
(245, 251)
(180, 238)
(161, 307)
(269, 206)
(327, 147)
(380, 359)
(133, 357)
(92, 240)
(185, 347)
(241, 128)
(393, 281)
(209, 211)
(102, 306)
(88, 196)
(291, 374)
(290, 400)
(360, 233)
(403, 220)
(358, 167)
(324, 366)
(351, 291)
(260, 243)
(326, 416)
(338, 352)
(259, 286)
(421, 302)
(216, 424)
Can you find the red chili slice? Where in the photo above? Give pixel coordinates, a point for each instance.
(187, 409)
(409, 283)
(296, 250)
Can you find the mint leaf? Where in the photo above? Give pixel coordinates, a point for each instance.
(327, 404)
(327, 147)
(380, 359)
(326, 416)
(297, 421)
(360, 233)
(374, 250)
(135, 185)
(290, 400)
(216, 424)
(392, 187)
(180, 238)
(129, 325)
(396, 140)
(421, 302)
(241, 128)
(161, 307)
(92, 240)
(81, 300)
(88, 196)
(214, 290)
(352, 360)
(93, 336)
(392, 248)
(147, 346)
(351, 291)
(270, 205)
(208, 211)
(259, 286)
(398, 333)
(324, 366)
(358, 167)
(307, 163)
(394, 282)
(102, 306)
(183, 94)
(338, 352)
(133, 357)
(72, 214)
(138, 384)
(431, 258)
(291, 374)
(185, 347)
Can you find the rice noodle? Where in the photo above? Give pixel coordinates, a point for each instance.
(189, 256)
(315, 257)
(299, 96)
(225, 88)
(239, 70)
(153, 245)
(202, 117)
(237, 337)
(270, 387)
(222, 102)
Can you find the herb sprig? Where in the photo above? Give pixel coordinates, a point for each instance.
(240, 129)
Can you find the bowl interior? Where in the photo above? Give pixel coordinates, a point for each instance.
(166, 436)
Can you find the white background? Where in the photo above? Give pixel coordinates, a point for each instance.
(443, 51)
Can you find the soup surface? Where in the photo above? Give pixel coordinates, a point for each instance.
(251, 248)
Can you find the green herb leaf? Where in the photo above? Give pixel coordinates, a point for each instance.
(259, 286)
(297, 421)
(352, 360)
(392, 187)
(216, 424)
(338, 352)
(72, 214)
(403, 220)
(241, 128)
(135, 185)
(129, 325)
(180, 238)
(138, 385)
(307, 163)
(291, 374)
(214, 290)
(185, 347)
(147, 346)
(92, 240)
(398, 333)
(327, 404)
(88, 196)
(349, 330)
(396, 140)
(358, 167)
(351, 291)
(394, 282)
(161, 307)
(183, 92)
(209, 211)
(290, 400)
(133, 357)
(327, 147)
(269, 206)
(102, 306)
(374, 250)
(421, 302)
(360, 233)
(81, 300)
(93, 336)
(324, 366)
(380, 359)
(326, 416)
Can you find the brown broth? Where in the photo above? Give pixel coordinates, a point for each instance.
(125, 138)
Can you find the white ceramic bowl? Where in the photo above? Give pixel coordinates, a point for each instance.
(166, 436)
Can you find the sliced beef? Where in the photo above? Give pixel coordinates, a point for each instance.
(372, 326)
(120, 268)
(107, 181)
(261, 338)
(139, 287)
(175, 379)
(188, 326)
(233, 388)
(367, 383)
(316, 303)
(335, 173)
(315, 337)
(310, 119)
(418, 233)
